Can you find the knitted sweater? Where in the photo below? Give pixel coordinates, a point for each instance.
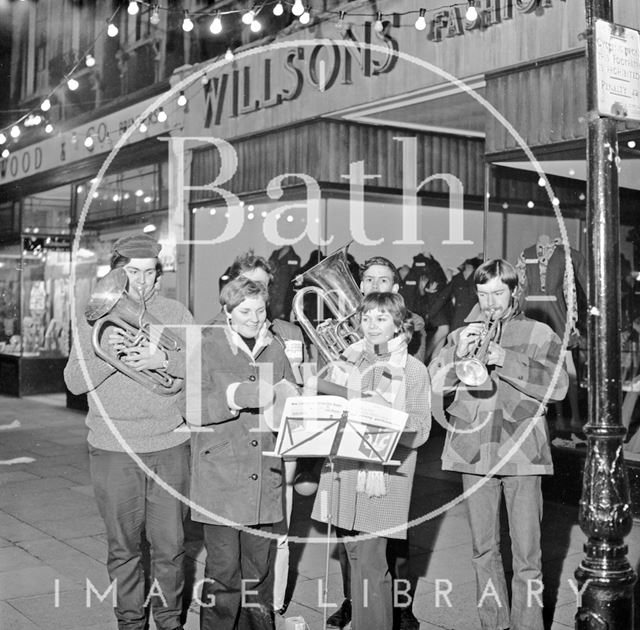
(146, 421)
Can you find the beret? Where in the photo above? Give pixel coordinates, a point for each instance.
(137, 246)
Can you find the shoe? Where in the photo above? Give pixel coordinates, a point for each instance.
(408, 620)
(341, 617)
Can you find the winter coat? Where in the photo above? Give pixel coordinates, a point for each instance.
(232, 478)
(487, 421)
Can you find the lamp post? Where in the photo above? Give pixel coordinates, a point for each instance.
(605, 510)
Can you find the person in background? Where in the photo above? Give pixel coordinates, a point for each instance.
(141, 423)
(499, 440)
(462, 292)
(237, 490)
(366, 498)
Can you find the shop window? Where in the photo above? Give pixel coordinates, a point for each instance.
(135, 192)
(47, 212)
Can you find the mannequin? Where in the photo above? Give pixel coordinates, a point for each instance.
(544, 295)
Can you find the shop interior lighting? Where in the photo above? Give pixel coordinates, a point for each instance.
(248, 17)
(421, 23)
(139, 192)
(15, 131)
(112, 29)
(530, 204)
(305, 18)
(133, 8)
(187, 23)
(216, 25)
(255, 26)
(298, 8)
(631, 144)
(278, 9)
(162, 115)
(472, 12)
(72, 84)
(378, 25)
(45, 106)
(149, 228)
(229, 55)
(90, 60)
(155, 15)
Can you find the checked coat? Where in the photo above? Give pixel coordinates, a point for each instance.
(487, 422)
(354, 510)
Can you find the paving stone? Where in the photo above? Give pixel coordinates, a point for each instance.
(15, 475)
(93, 546)
(458, 612)
(30, 488)
(12, 619)
(15, 530)
(51, 505)
(21, 583)
(12, 558)
(74, 527)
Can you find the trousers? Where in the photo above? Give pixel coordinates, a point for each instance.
(523, 500)
(129, 503)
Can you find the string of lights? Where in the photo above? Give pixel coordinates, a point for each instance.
(249, 17)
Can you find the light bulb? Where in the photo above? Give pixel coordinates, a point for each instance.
(421, 23)
(155, 16)
(182, 99)
(216, 25)
(255, 26)
(3, 138)
(298, 8)
(541, 182)
(133, 8)
(112, 30)
(187, 24)
(278, 9)
(378, 26)
(472, 14)
(340, 22)
(6, 153)
(48, 128)
(46, 105)
(162, 115)
(15, 131)
(143, 127)
(88, 142)
(90, 60)
(229, 54)
(72, 84)
(248, 17)
(305, 17)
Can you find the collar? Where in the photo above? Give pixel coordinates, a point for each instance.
(476, 314)
(236, 343)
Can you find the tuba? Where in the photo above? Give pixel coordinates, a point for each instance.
(339, 291)
(472, 370)
(110, 305)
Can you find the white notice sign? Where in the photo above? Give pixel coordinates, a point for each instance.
(618, 70)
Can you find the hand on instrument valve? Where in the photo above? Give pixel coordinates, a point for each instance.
(469, 337)
(139, 355)
(495, 354)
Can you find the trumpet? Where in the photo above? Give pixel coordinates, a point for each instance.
(110, 305)
(472, 369)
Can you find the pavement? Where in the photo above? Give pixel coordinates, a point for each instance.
(53, 548)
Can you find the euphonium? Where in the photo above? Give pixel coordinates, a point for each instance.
(472, 370)
(339, 291)
(110, 305)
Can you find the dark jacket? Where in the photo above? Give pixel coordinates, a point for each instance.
(231, 477)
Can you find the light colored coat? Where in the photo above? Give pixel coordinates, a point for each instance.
(353, 510)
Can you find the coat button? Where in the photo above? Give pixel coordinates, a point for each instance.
(252, 378)
(254, 476)
(254, 442)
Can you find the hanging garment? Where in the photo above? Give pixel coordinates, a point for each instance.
(285, 266)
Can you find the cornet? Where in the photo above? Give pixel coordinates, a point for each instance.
(110, 305)
(472, 370)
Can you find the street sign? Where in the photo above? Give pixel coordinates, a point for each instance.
(618, 70)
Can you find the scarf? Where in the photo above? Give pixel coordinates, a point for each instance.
(392, 358)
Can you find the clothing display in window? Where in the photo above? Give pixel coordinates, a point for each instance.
(285, 266)
(545, 287)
